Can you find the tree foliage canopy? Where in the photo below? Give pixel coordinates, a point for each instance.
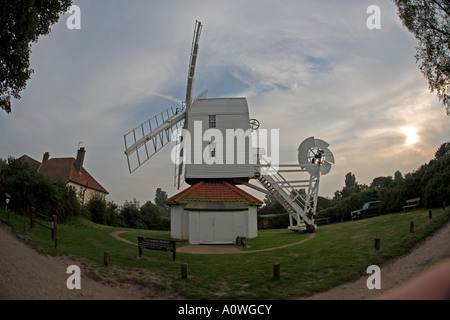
(429, 21)
(21, 23)
(28, 188)
(430, 182)
(443, 150)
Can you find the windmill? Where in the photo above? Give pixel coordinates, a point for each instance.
(200, 129)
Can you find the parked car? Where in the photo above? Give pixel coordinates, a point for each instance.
(369, 209)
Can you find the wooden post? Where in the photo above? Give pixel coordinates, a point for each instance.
(32, 217)
(184, 271)
(430, 214)
(54, 226)
(276, 271)
(140, 239)
(411, 227)
(25, 227)
(377, 243)
(174, 250)
(56, 243)
(106, 258)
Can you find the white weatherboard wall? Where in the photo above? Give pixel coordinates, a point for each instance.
(213, 227)
(231, 114)
(179, 222)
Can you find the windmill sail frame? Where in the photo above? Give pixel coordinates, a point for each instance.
(147, 139)
(180, 146)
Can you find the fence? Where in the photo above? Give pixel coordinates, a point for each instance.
(53, 224)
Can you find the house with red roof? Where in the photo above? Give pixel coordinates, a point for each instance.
(213, 212)
(71, 172)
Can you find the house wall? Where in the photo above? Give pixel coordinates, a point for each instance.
(231, 113)
(84, 194)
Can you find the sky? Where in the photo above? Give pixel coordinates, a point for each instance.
(329, 69)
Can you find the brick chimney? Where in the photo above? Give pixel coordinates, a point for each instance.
(80, 159)
(45, 157)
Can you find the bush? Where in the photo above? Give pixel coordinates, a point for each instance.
(96, 207)
(273, 221)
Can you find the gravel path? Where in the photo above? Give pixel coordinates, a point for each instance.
(26, 274)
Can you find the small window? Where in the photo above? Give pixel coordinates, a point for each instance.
(212, 121)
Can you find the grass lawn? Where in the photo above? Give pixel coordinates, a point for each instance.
(338, 253)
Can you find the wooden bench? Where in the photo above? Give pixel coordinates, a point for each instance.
(157, 244)
(411, 204)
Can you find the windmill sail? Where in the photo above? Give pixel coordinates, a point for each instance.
(145, 140)
(192, 63)
(179, 164)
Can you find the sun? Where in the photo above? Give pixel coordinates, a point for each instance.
(411, 135)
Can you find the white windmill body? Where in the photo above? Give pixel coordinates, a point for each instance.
(213, 154)
(220, 140)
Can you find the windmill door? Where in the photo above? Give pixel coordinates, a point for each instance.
(216, 227)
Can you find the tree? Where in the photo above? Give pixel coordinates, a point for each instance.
(350, 180)
(443, 150)
(22, 22)
(97, 209)
(398, 176)
(271, 205)
(28, 188)
(429, 21)
(160, 197)
(351, 186)
(380, 182)
(152, 215)
(131, 215)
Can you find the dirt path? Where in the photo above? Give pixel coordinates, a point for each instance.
(213, 249)
(26, 274)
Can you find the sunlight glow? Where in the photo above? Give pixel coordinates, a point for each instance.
(411, 135)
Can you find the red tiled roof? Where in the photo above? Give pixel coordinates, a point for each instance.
(213, 191)
(34, 164)
(64, 169)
